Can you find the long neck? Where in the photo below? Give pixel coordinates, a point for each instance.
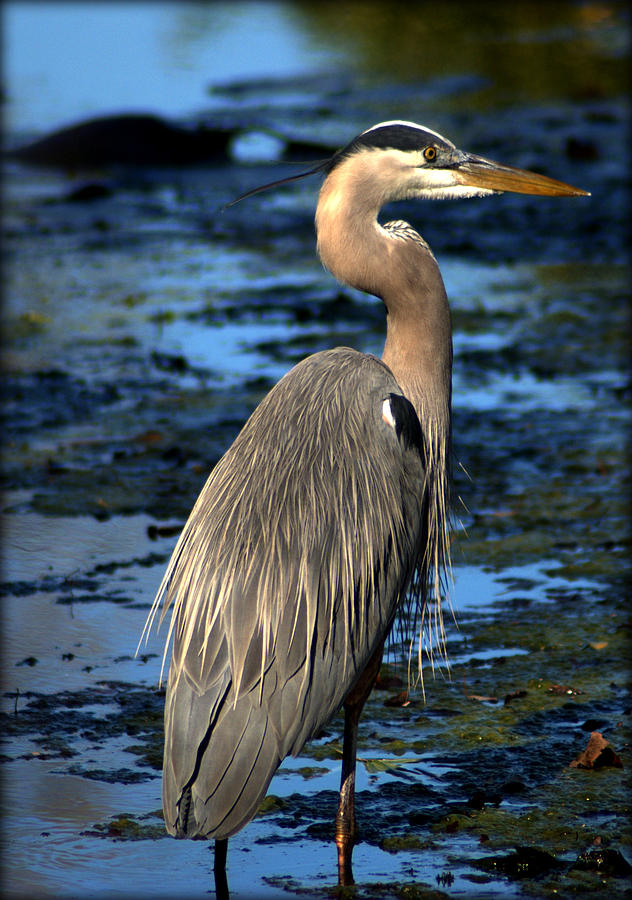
(396, 265)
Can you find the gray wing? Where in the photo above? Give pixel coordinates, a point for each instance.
(285, 579)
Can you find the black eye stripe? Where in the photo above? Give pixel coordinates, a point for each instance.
(393, 137)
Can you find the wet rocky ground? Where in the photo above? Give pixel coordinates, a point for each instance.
(141, 327)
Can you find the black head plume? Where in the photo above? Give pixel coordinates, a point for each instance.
(319, 167)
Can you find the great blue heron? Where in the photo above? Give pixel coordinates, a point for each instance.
(330, 505)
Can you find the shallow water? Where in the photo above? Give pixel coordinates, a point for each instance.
(142, 327)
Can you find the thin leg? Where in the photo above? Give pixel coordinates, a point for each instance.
(219, 869)
(345, 819)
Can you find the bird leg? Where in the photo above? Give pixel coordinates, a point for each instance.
(346, 831)
(219, 869)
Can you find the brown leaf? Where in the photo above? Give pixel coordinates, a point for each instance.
(148, 437)
(597, 755)
(514, 695)
(400, 699)
(560, 689)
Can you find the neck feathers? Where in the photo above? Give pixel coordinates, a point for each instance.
(395, 264)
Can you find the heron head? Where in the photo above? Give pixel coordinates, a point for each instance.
(403, 160)
(412, 161)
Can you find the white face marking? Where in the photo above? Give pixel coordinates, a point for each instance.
(406, 176)
(387, 414)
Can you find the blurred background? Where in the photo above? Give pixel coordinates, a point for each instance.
(141, 325)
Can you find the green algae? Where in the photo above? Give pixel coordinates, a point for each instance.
(126, 827)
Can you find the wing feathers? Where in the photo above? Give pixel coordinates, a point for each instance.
(285, 579)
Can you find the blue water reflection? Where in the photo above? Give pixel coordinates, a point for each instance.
(68, 60)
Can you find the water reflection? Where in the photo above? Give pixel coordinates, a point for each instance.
(170, 54)
(161, 58)
(78, 591)
(528, 51)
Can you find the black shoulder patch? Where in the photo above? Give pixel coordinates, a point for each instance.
(407, 426)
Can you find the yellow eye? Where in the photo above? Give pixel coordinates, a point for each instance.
(430, 153)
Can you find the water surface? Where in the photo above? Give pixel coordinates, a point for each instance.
(142, 327)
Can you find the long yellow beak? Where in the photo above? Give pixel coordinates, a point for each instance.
(476, 171)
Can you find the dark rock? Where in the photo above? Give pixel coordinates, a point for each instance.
(128, 139)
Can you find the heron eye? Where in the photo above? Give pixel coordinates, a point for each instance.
(430, 153)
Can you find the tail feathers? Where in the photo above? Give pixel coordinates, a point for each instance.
(245, 781)
(233, 773)
(190, 718)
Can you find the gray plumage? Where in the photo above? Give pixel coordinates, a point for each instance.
(329, 507)
(295, 584)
